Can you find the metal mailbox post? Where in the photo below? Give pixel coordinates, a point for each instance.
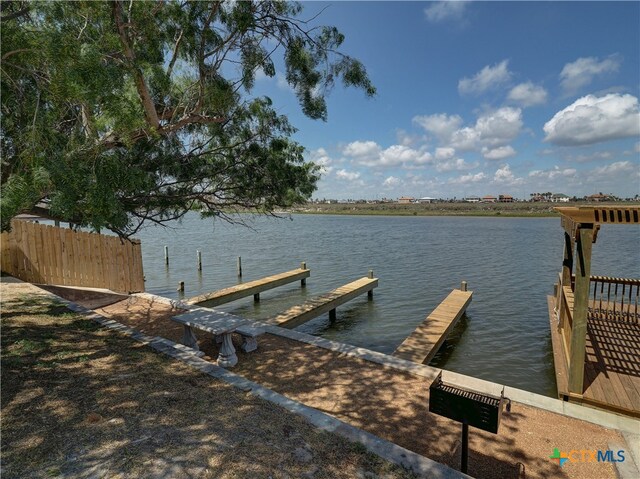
(468, 407)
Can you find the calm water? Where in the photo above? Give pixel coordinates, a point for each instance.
(509, 263)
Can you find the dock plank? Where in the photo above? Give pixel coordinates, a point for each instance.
(422, 345)
(249, 288)
(324, 303)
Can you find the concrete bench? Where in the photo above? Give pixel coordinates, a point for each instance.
(222, 326)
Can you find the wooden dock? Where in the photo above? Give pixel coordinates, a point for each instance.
(327, 302)
(422, 345)
(249, 288)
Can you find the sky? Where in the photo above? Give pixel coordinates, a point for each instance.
(478, 98)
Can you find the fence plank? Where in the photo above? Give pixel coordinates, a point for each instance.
(49, 254)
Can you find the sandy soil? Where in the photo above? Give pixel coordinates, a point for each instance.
(79, 401)
(394, 405)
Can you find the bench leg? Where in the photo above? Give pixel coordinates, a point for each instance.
(227, 357)
(249, 344)
(189, 338)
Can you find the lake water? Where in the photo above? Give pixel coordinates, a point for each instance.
(510, 265)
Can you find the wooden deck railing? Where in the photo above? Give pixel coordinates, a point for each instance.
(614, 298)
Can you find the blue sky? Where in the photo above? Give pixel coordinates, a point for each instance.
(478, 98)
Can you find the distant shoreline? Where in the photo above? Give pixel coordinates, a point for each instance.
(515, 210)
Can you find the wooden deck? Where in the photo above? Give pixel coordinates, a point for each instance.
(423, 344)
(612, 364)
(254, 288)
(327, 302)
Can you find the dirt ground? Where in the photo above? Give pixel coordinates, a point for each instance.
(79, 401)
(394, 404)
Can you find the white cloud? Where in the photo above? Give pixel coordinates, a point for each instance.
(555, 172)
(445, 153)
(615, 168)
(488, 78)
(321, 158)
(347, 175)
(360, 149)
(440, 11)
(499, 153)
(369, 153)
(441, 125)
(392, 181)
(492, 129)
(581, 72)
(469, 178)
(455, 165)
(528, 94)
(505, 176)
(592, 119)
(500, 126)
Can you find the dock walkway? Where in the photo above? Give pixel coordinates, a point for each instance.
(327, 302)
(249, 288)
(422, 345)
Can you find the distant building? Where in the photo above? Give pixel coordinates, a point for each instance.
(406, 199)
(472, 199)
(598, 197)
(426, 199)
(489, 199)
(505, 199)
(559, 198)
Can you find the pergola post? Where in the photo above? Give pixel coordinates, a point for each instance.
(581, 299)
(565, 277)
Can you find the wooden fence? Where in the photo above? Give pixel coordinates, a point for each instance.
(47, 254)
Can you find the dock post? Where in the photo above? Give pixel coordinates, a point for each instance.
(256, 298)
(463, 286)
(181, 286)
(239, 266)
(303, 281)
(166, 255)
(332, 315)
(370, 292)
(199, 254)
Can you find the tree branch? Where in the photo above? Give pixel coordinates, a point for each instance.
(147, 102)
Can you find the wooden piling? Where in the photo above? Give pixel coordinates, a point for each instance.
(166, 255)
(199, 254)
(181, 286)
(303, 281)
(239, 266)
(370, 292)
(463, 286)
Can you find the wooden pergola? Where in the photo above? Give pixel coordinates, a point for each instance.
(597, 332)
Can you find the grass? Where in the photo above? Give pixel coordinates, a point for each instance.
(81, 401)
(519, 209)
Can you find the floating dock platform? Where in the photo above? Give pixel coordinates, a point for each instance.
(327, 302)
(423, 344)
(249, 288)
